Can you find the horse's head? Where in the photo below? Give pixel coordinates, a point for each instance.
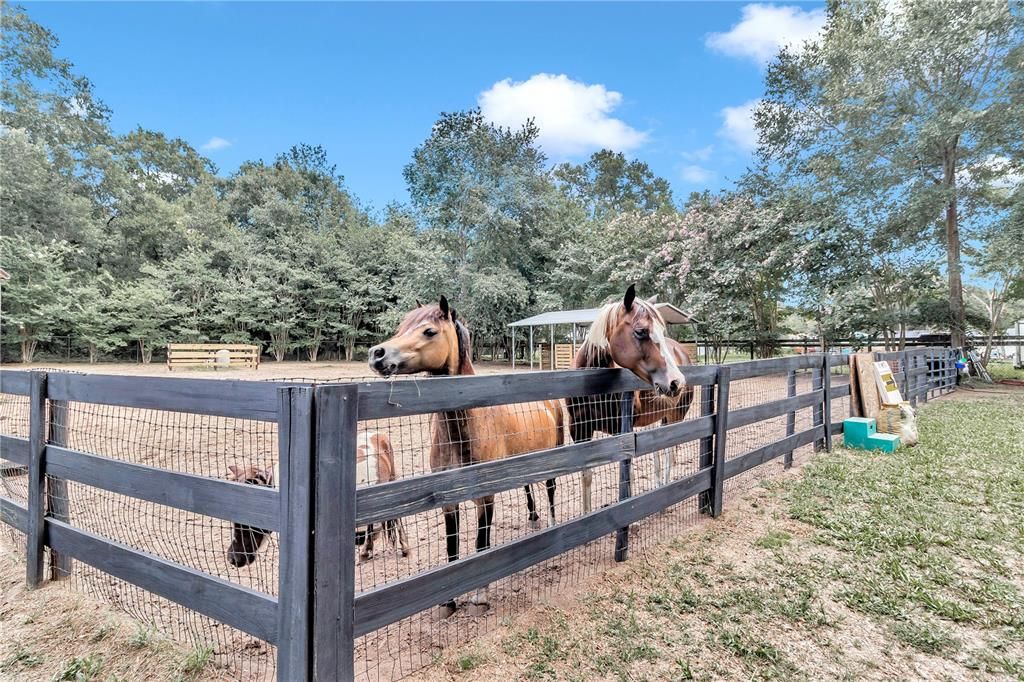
(430, 339)
(246, 540)
(632, 332)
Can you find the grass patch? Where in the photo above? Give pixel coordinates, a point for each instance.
(775, 539)
(196, 660)
(1004, 370)
(81, 668)
(20, 659)
(932, 531)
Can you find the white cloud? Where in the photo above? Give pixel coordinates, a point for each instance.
(702, 154)
(215, 143)
(573, 117)
(764, 29)
(738, 125)
(696, 174)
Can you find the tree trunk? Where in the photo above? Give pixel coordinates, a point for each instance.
(958, 323)
(28, 350)
(350, 348)
(93, 353)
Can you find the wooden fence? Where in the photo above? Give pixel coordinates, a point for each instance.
(318, 614)
(211, 354)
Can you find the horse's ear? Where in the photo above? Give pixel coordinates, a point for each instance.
(443, 304)
(627, 302)
(453, 314)
(418, 304)
(237, 473)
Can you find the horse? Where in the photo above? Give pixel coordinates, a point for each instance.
(375, 463)
(432, 339)
(631, 334)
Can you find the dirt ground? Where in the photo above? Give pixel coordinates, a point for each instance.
(206, 446)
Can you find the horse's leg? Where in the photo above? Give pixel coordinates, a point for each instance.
(669, 457)
(368, 545)
(485, 519)
(451, 531)
(402, 541)
(551, 501)
(532, 517)
(580, 434)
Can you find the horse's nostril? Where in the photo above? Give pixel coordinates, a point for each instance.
(378, 352)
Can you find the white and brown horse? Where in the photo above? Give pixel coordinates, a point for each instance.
(631, 334)
(432, 339)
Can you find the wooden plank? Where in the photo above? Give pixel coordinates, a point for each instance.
(408, 496)
(240, 607)
(670, 435)
(738, 465)
(826, 383)
(14, 449)
(757, 368)
(15, 381)
(295, 602)
(791, 417)
(252, 505)
(721, 436)
(58, 505)
(336, 407)
(382, 399)
(774, 408)
(213, 346)
(837, 392)
(223, 398)
(625, 475)
(376, 608)
(13, 514)
(707, 444)
(34, 539)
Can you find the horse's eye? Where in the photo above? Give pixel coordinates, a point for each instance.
(429, 332)
(640, 333)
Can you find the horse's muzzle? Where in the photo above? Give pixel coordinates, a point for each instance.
(382, 361)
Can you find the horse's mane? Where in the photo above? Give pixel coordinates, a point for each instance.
(594, 351)
(432, 313)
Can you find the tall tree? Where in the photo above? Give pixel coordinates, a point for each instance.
(901, 110)
(609, 183)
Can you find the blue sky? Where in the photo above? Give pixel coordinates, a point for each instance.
(666, 83)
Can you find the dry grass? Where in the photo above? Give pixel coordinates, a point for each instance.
(54, 634)
(861, 567)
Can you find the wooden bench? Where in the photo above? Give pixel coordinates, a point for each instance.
(216, 355)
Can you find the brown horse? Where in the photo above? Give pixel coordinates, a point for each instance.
(631, 333)
(432, 339)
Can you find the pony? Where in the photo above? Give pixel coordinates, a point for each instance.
(631, 334)
(375, 463)
(432, 339)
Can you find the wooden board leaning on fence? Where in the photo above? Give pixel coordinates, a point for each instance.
(215, 355)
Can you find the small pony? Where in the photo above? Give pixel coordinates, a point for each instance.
(375, 463)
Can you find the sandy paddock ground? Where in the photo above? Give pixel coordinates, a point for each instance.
(207, 445)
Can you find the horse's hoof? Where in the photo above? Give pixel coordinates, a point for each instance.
(534, 524)
(446, 610)
(477, 609)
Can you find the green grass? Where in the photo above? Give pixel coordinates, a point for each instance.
(931, 531)
(81, 668)
(1004, 370)
(20, 659)
(196, 660)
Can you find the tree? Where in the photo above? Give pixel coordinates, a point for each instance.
(607, 184)
(35, 298)
(1001, 261)
(901, 112)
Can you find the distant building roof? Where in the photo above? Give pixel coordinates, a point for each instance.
(672, 315)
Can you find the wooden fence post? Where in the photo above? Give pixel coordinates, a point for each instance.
(818, 411)
(721, 438)
(57, 503)
(905, 365)
(706, 444)
(787, 459)
(34, 540)
(625, 474)
(826, 397)
(295, 468)
(334, 531)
